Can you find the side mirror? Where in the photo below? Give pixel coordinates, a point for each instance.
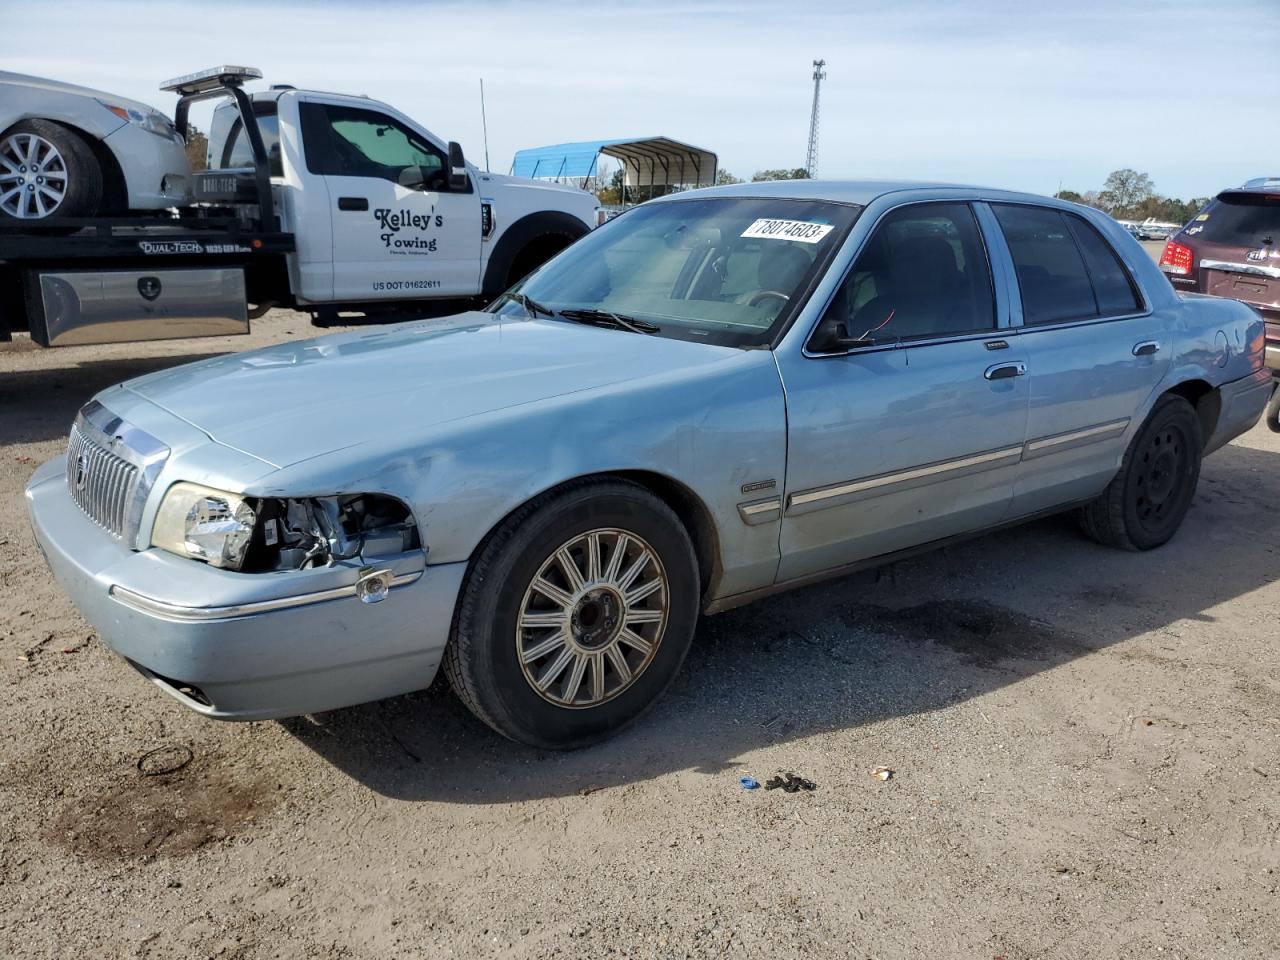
(458, 179)
(832, 338)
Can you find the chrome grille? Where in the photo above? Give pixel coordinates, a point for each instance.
(111, 469)
(102, 483)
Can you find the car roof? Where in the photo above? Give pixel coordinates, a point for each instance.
(860, 192)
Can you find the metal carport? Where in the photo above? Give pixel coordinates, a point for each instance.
(651, 162)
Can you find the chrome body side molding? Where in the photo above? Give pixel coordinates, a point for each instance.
(802, 501)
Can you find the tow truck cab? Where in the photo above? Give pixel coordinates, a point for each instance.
(380, 207)
(317, 201)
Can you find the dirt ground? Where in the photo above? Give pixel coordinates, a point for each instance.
(1085, 747)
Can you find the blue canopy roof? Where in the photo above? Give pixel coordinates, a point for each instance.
(647, 160)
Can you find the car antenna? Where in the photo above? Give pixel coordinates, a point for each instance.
(484, 123)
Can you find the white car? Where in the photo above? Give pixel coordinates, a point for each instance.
(68, 151)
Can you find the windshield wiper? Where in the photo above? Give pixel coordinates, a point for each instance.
(606, 318)
(531, 306)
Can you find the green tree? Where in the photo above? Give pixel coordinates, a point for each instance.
(797, 173)
(724, 178)
(1070, 195)
(197, 147)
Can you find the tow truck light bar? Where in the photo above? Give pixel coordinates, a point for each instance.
(205, 80)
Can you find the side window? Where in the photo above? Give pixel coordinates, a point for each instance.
(922, 273)
(351, 142)
(238, 153)
(1051, 273)
(1112, 286)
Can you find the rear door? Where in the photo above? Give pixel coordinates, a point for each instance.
(1095, 352)
(399, 232)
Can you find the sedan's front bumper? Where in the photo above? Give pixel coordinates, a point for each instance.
(246, 646)
(156, 172)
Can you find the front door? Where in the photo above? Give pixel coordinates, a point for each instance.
(916, 435)
(398, 231)
(1095, 353)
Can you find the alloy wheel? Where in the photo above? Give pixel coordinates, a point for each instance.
(33, 177)
(592, 618)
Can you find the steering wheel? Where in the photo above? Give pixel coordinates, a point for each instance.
(759, 295)
(435, 180)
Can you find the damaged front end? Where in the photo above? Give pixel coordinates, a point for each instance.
(260, 534)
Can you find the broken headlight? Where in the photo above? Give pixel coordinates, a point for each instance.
(269, 533)
(205, 524)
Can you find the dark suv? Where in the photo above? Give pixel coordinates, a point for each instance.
(1232, 249)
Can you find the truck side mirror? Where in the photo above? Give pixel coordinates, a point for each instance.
(457, 168)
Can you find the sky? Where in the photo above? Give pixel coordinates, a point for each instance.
(1028, 95)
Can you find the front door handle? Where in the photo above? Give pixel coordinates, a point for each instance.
(1147, 348)
(1004, 371)
(353, 203)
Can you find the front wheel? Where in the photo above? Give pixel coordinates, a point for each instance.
(1144, 505)
(576, 615)
(47, 171)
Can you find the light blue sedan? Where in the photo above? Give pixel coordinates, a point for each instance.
(716, 396)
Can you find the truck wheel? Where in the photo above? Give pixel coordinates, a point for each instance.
(576, 615)
(1144, 504)
(47, 171)
(535, 255)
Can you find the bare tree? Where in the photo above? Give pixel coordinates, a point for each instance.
(1124, 190)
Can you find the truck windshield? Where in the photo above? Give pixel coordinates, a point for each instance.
(730, 271)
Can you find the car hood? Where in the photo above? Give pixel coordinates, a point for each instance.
(57, 86)
(303, 399)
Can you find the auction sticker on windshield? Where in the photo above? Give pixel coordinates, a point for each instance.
(799, 230)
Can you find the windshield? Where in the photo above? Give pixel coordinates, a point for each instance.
(730, 271)
(1246, 221)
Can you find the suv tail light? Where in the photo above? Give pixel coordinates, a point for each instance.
(1177, 258)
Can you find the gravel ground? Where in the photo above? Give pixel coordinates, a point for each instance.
(1085, 747)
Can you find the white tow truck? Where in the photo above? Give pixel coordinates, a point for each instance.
(317, 201)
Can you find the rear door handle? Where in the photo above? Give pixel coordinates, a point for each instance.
(353, 203)
(1005, 371)
(1147, 348)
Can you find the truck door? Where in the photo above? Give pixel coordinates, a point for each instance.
(398, 231)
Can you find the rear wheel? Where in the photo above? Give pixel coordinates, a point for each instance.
(1144, 505)
(47, 171)
(576, 615)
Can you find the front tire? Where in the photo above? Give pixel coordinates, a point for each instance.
(576, 615)
(47, 171)
(1144, 504)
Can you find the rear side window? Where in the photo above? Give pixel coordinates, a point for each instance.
(237, 152)
(1112, 286)
(1066, 270)
(1247, 220)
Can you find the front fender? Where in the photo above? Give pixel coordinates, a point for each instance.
(711, 432)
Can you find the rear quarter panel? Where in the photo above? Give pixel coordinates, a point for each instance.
(1212, 340)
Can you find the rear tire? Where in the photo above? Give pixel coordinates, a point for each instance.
(1144, 504)
(47, 171)
(575, 658)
